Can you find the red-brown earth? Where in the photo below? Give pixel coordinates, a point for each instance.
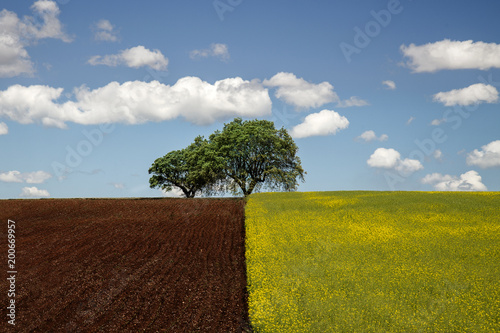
(126, 265)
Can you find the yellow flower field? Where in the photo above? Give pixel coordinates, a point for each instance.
(374, 261)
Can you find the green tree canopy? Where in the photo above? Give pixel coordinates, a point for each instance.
(254, 154)
(189, 169)
(245, 156)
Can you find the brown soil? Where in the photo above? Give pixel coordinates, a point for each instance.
(126, 265)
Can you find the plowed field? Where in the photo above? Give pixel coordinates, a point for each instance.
(127, 265)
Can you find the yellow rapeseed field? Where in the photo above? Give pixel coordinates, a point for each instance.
(374, 261)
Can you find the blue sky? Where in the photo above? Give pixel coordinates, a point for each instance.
(378, 95)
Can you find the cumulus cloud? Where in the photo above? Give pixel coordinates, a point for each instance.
(119, 186)
(391, 159)
(410, 120)
(488, 157)
(469, 181)
(437, 122)
(4, 129)
(47, 12)
(175, 193)
(33, 103)
(476, 93)
(434, 178)
(389, 84)
(370, 135)
(17, 34)
(325, 122)
(36, 177)
(216, 50)
(384, 158)
(136, 102)
(33, 192)
(304, 95)
(353, 101)
(448, 54)
(135, 57)
(437, 154)
(15, 176)
(105, 31)
(300, 93)
(14, 59)
(11, 177)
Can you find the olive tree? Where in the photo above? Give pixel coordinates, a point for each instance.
(190, 169)
(253, 155)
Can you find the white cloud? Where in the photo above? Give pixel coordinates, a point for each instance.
(119, 186)
(488, 157)
(437, 154)
(11, 177)
(304, 95)
(371, 136)
(434, 178)
(368, 136)
(14, 59)
(389, 84)
(325, 122)
(4, 129)
(36, 177)
(469, 181)
(34, 103)
(353, 101)
(135, 102)
(51, 27)
(447, 54)
(410, 120)
(15, 176)
(33, 192)
(391, 159)
(384, 158)
(437, 122)
(134, 57)
(217, 50)
(476, 93)
(408, 166)
(105, 31)
(300, 93)
(16, 34)
(175, 193)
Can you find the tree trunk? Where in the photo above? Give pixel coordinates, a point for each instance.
(186, 192)
(253, 183)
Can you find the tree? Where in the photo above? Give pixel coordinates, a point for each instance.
(254, 154)
(189, 169)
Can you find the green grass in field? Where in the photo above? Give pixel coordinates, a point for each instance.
(374, 262)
